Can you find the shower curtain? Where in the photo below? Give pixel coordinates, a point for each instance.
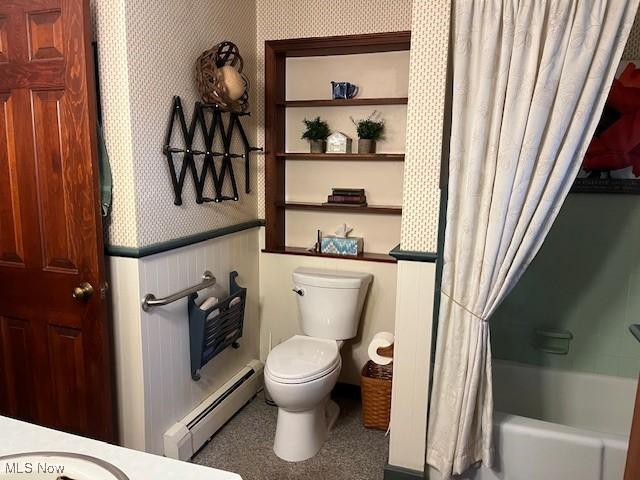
(530, 78)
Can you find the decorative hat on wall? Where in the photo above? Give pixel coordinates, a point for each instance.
(220, 79)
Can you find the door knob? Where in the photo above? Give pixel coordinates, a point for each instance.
(83, 292)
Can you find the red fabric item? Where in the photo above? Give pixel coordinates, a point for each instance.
(618, 146)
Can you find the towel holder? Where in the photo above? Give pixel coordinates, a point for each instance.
(213, 329)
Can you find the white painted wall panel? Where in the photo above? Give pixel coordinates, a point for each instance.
(124, 281)
(414, 313)
(169, 390)
(152, 348)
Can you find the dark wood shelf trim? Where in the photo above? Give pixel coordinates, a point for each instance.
(376, 209)
(341, 45)
(360, 157)
(365, 256)
(350, 102)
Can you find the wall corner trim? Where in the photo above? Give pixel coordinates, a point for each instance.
(413, 256)
(392, 472)
(139, 252)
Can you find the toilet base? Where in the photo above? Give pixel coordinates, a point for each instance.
(300, 435)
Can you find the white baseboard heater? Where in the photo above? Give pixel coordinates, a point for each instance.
(188, 435)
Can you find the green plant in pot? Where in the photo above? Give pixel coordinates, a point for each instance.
(370, 130)
(317, 132)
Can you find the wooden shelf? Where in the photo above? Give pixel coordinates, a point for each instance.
(348, 102)
(359, 157)
(368, 257)
(276, 109)
(379, 209)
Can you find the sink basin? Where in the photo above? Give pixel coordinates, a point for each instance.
(57, 466)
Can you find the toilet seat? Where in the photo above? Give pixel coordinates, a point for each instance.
(302, 359)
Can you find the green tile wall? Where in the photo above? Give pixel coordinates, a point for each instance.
(585, 279)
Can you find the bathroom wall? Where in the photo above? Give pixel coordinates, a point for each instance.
(160, 42)
(279, 19)
(280, 311)
(307, 18)
(155, 388)
(146, 54)
(585, 279)
(411, 321)
(383, 74)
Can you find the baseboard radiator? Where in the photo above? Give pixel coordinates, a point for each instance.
(188, 435)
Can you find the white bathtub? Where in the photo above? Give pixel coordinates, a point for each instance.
(558, 425)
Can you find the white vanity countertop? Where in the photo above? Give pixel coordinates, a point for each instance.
(21, 437)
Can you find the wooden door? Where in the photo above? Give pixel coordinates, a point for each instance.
(55, 364)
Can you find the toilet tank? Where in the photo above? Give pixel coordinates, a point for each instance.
(330, 301)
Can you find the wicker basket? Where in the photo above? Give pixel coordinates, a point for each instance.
(375, 383)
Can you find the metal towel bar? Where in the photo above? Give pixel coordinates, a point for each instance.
(149, 300)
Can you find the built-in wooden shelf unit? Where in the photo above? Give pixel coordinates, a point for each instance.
(305, 252)
(379, 209)
(358, 157)
(276, 157)
(351, 102)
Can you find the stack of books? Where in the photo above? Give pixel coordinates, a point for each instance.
(347, 196)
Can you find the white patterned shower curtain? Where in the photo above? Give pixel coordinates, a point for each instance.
(530, 78)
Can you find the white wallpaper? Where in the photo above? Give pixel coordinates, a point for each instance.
(109, 30)
(280, 19)
(427, 86)
(430, 35)
(147, 52)
(151, 48)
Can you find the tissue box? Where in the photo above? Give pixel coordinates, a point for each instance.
(341, 245)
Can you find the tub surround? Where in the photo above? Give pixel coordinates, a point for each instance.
(21, 437)
(557, 424)
(635, 330)
(632, 469)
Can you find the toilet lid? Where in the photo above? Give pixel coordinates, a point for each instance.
(302, 359)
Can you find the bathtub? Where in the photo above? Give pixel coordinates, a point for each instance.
(558, 425)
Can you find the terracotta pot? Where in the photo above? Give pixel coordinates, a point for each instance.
(366, 145)
(318, 146)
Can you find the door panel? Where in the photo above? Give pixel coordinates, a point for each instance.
(45, 35)
(67, 361)
(55, 358)
(54, 191)
(17, 364)
(11, 249)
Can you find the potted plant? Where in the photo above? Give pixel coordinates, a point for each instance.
(317, 132)
(369, 131)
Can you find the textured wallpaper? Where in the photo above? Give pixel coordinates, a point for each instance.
(279, 19)
(430, 33)
(109, 30)
(632, 50)
(147, 52)
(425, 113)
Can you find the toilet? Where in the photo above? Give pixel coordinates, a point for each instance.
(301, 372)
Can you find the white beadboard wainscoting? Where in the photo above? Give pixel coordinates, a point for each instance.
(411, 364)
(155, 388)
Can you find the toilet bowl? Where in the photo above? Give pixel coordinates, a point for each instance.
(300, 373)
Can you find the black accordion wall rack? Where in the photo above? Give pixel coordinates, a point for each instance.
(208, 119)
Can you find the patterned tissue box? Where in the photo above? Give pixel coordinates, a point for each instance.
(341, 245)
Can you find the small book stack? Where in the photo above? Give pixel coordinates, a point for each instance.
(347, 196)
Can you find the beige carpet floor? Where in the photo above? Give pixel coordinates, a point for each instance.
(244, 446)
